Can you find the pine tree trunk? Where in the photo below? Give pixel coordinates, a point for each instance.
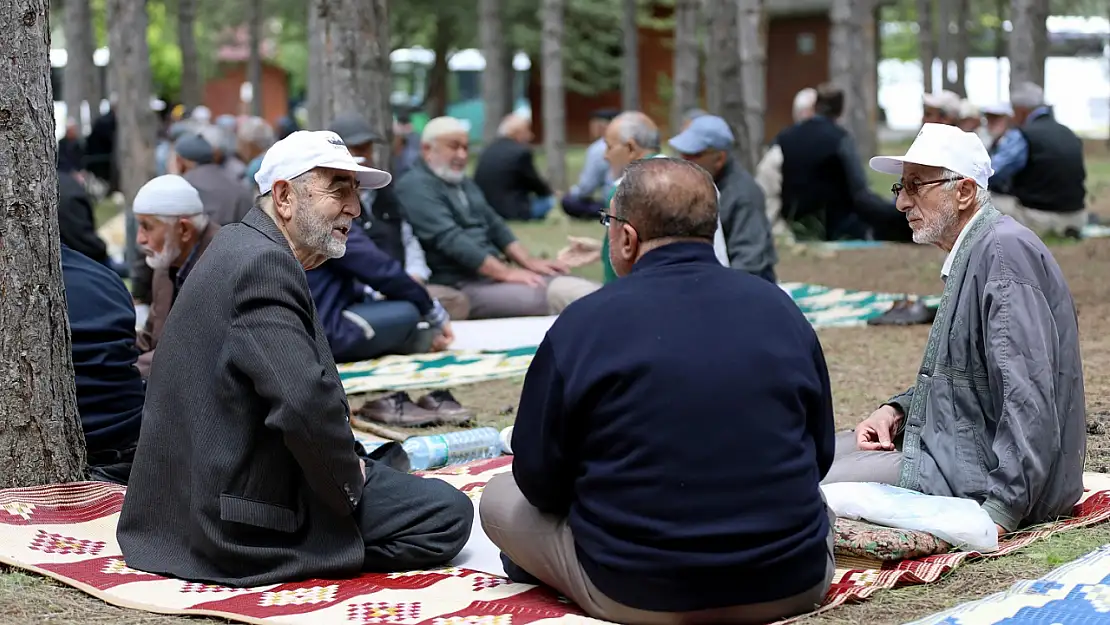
(945, 43)
(684, 80)
(435, 100)
(254, 64)
(926, 42)
(1028, 41)
(41, 440)
(192, 90)
(316, 99)
(499, 67)
(552, 18)
(711, 13)
(962, 45)
(630, 55)
(80, 75)
(753, 79)
(357, 75)
(726, 83)
(852, 67)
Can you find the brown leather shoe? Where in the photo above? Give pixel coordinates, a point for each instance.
(396, 409)
(905, 312)
(446, 407)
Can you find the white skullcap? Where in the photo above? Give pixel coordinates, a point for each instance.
(968, 110)
(167, 196)
(946, 101)
(440, 126)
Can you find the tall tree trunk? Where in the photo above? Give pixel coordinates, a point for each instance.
(510, 89)
(630, 55)
(552, 18)
(753, 78)
(726, 83)
(1028, 41)
(1000, 46)
(357, 75)
(435, 99)
(41, 440)
(926, 42)
(315, 97)
(498, 65)
(254, 64)
(80, 76)
(945, 42)
(684, 94)
(962, 45)
(711, 14)
(192, 90)
(852, 66)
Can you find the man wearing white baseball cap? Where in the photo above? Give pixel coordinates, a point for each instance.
(247, 472)
(997, 413)
(940, 108)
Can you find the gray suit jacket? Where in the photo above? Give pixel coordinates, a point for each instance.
(246, 472)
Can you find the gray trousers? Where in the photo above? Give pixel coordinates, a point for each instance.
(543, 546)
(850, 464)
(496, 300)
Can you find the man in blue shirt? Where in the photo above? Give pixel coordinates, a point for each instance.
(596, 175)
(1040, 177)
(634, 421)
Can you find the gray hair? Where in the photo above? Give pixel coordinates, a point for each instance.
(508, 124)
(637, 128)
(199, 221)
(804, 101)
(982, 196)
(265, 202)
(1026, 95)
(255, 131)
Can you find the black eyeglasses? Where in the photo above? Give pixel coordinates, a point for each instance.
(606, 218)
(913, 186)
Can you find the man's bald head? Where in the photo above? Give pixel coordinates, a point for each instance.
(667, 198)
(629, 137)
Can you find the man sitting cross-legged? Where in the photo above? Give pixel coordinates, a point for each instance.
(246, 471)
(647, 504)
(997, 412)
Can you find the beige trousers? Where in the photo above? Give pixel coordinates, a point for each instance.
(454, 301)
(1041, 222)
(542, 545)
(495, 300)
(850, 464)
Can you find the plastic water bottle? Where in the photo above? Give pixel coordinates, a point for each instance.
(507, 440)
(440, 450)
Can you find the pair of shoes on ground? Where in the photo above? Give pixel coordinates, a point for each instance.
(398, 409)
(905, 312)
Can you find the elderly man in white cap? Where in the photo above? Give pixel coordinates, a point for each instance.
(173, 233)
(942, 107)
(997, 411)
(998, 118)
(467, 244)
(247, 472)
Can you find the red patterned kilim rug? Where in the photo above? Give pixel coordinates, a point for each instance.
(67, 532)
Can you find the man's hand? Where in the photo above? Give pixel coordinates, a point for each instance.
(525, 277)
(444, 339)
(876, 433)
(1001, 530)
(417, 279)
(547, 267)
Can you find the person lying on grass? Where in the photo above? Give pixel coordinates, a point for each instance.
(997, 413)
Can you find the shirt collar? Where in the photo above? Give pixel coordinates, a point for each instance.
(946, 268)
(675, 253)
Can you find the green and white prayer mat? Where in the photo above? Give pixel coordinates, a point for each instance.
(437, 370)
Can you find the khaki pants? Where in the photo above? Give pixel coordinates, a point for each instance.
(1041, 222)
(542, 545)
(852, 465)
(454, 301)
(495, 300)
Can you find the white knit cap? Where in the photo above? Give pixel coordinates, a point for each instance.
(167, 196)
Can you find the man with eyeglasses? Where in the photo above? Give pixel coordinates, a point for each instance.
(997, 412)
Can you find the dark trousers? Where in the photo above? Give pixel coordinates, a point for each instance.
(395, 331)
(581, 207)
(111, 465)
(410, 522)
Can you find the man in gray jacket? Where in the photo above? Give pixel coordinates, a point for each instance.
(997, 412)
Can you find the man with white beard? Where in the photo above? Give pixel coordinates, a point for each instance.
(173, 233)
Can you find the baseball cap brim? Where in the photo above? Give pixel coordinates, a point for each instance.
(368, 177)
(687, 143)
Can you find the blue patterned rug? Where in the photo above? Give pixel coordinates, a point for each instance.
(1074, 594)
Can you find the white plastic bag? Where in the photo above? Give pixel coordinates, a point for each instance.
(960, 522)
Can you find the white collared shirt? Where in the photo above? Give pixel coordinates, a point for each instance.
(946, 268)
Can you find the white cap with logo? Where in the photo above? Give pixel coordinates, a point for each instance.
(941, 145)
(306, 150)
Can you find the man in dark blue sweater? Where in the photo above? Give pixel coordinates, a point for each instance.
(672, 432)
(110, 391)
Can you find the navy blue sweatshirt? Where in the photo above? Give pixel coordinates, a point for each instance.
(110, 391)
(682, 418)
(340, 282)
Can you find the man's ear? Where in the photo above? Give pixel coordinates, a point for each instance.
(630, 244)
(282, 193)
(967, 192)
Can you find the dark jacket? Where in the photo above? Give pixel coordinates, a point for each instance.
(225, 199)
(507, 176)
(1054, 175)
(102, 324)
(246, 472)
(341, 282)
(454, 223)
(76, 220)
(686, 456)
(382, 217)
(748, 238)
(165, 285)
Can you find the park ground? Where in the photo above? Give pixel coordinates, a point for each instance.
(866, 365)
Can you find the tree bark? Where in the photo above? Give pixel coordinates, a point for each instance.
(684, 95)
(711, 14)
(315, 88)
(357, 75)
(962, 46)
(630, 55)
(926, 42)
(945, 43)
(498, 65)
(254, 64)
(79, 80)
(852, 66)
(552, 18)
(725, 83)
(41, 440)
(192, 89)
(1028, 41)
(435, 100)
(753, 78)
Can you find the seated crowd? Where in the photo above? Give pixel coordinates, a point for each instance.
(615, 495)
